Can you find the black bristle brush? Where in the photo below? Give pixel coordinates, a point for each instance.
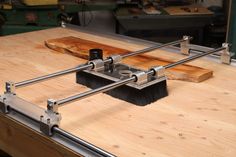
(127, 93)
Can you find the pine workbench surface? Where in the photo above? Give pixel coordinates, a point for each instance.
(196, 119)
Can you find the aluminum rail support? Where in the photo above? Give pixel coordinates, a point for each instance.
(193, 57)
(73, 138)
(188, 59)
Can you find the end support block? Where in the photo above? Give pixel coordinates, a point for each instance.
(184, 48)
(225, 54)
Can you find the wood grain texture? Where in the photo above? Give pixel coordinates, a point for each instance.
(80, 48)
(196, 119)
(20, 141)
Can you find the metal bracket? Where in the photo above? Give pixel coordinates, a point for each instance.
(3, 106)
(98, 64)
(10, 87)
(63, 24)
(225, 54)
(184, 48)
(51, 119)
(47, 118)
(141, 77)
(52, 106)
(159, 71)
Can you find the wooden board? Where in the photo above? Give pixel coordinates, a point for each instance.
(80, 48)
(20, 141)
(196, 119)
(187, 10)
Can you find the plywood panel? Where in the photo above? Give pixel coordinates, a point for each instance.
(196, 119)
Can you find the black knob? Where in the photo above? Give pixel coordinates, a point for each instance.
(95, 54)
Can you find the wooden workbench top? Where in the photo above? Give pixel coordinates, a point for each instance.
(196, 119)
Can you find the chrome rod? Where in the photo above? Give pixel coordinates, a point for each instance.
(80, 141)
(131, 79)
(84, 67)
(71, 137)
(95, 91)
(153, 48)
(46, 77)
(193, 58)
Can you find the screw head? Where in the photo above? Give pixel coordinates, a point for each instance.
(48, 121)
(41, 118)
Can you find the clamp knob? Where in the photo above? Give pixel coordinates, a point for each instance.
(95, 54)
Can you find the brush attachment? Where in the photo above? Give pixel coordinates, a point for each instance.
(140, 95)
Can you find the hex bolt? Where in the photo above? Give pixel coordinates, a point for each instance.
(41, 118)
(48, 121)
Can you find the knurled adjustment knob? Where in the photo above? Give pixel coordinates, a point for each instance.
(95, 54)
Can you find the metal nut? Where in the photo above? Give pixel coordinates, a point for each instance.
(141, 77)
(159, 71)
(115, 58)
(98, 64)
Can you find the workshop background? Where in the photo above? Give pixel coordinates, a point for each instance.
(208, 21)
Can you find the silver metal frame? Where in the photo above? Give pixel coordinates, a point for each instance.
(49, 120)
(75, 144)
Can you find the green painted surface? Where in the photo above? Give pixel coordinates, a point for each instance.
(22, 18)
(15, 29)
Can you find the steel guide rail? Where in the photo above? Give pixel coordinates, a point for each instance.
(186, 38)
(78, 147)
(50, 120)
(88, 66)
(95, 91)
(56, 130)
(76, 139)
(193, 57)
(195, 49)
(133, 78)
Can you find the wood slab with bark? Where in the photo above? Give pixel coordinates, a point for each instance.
(80, 48)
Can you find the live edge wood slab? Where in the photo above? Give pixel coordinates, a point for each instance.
(196, 119)
(80, 48)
